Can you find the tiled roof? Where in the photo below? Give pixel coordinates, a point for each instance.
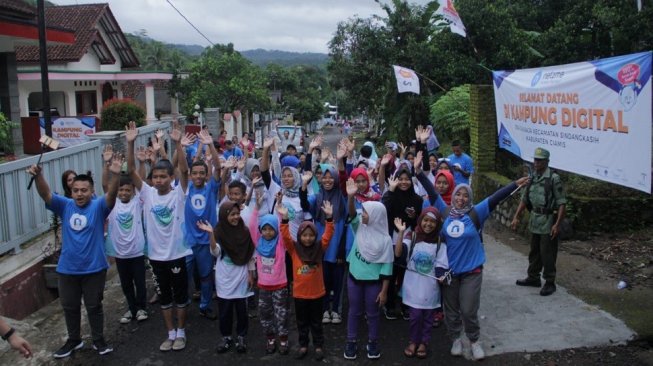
(17, 8)
(83, 19)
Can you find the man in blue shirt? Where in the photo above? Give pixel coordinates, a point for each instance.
(461, 164)
(83, 265)
(231, 150)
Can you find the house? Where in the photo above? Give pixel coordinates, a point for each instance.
(98, 66)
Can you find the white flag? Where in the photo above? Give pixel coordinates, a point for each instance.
(407, 80)
(450, 14)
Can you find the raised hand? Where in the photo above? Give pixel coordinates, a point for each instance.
(352, 188)
(205, 137)
(205, 226)
(131, 131)
(141, 155)
(317, 142)
(259, 195)
(107, 153)
(522, 181)
(392, 183)
(402, 147)
(230, 163)
(34, 170)
(159, 134)
(386, 159)
(116, 163)
(424, 136)
(282, 210)
(418, 132)
(175, 134)
(327, 208)
(269, 141)
(417, 163)
(241, 163)
(188, 139)
(341, 152)
(156, 143)
(306, 177)
(150, 153)
(400, 225)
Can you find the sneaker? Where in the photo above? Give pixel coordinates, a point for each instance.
(284, 347)
(197, 295)
(528, 281)
(477, 351)
(390, 314)
(437, 319)
(166, 345)
(548, 289)
(208, 314)
(457, 347)
(405, 314)
(241, 346)
(351, 350)
(126, 317)
(179, 344)
(226, 344)
(270, 346)
(141, 315)
(319, 354)
(373, 351)
(326, 318)
(68, 348)
(102, 347)
(335, 318)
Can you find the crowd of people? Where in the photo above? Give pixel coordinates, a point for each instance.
(310, 228)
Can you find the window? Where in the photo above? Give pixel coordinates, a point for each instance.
(86, 102)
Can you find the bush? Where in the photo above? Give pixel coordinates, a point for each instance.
(450, 114)
(6, 136)
(116, 113)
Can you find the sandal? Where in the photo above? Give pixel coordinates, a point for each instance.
(284, 347)
(270, 347)
(421, 351)
(409, 351)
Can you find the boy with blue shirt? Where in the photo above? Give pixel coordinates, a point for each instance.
(82, 266)
(461, 164)
(201, 201)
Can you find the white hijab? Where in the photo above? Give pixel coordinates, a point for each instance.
(374, 242)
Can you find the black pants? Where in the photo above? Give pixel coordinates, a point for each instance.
(132, 280)
(71, 290)
(173, 282)
(543, 256)
(398, 272)
(226, 309)
(309, 317)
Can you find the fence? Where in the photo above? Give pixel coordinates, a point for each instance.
(24, 216)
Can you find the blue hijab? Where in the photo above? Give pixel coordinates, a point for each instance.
(267, 248)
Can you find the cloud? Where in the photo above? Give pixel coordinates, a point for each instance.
(289, 25)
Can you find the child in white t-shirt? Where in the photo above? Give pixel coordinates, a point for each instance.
(126, 243)
(426, 268)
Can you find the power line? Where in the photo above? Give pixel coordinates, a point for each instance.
(191, 24)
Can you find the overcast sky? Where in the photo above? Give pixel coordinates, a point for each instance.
(289, 25)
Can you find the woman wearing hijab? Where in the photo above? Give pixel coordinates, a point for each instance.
(232, 245)
(370, 268)
(334, 256)
(308, 285)
(466, 257)
(402, 202)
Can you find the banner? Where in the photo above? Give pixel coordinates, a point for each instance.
(70, 131)
(407, 80)
(594, 117)
(449, 13)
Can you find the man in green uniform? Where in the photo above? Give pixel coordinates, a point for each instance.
(545, 199)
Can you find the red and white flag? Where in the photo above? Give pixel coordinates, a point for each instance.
(449, 13)
(407, 80)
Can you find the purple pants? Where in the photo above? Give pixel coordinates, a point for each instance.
(420, 325)
(362, 295)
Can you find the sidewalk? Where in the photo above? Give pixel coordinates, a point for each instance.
(513, 319)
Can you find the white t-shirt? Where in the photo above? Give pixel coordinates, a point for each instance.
(125, 237)
(421, 290)
(164, 219)
(230, 279)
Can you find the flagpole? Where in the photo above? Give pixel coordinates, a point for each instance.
(433, 82)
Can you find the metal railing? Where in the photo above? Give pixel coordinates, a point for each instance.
(23, 215)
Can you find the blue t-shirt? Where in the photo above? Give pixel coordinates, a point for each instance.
(236, 152)
(82, 251)
(200, 205)
(466, 164)
(464, 247)
(331, 252)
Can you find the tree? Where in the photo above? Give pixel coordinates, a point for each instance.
(450, 114)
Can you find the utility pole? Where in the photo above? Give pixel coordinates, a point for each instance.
(43, 58)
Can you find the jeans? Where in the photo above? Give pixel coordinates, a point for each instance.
(203, 260)
(362, 295)
(72, 288)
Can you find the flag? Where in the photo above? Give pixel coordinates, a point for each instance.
(407, 80)
(449, 13)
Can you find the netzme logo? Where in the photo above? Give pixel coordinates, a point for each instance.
(551, 77)
(536, 78)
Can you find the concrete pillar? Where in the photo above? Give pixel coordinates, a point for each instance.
(120, 95)
(98, 98)
(483, 127)
(23, 102)
(149, 103)
(174, 106)
(71, 103)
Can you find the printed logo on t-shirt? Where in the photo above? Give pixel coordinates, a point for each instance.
(291, 211)
(306, 269)
(456, 228)
(125, 220)
(423, 262)
(78, 222)
(163, 215)
(267, 265)
(198, 201)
